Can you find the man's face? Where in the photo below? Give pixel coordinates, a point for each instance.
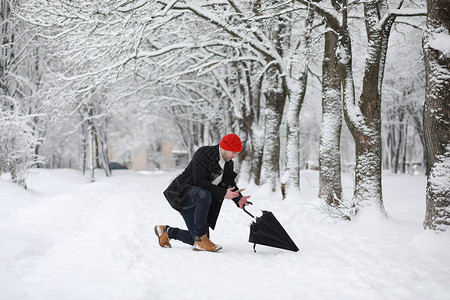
(228, 155)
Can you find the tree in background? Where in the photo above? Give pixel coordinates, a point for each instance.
(436, 121)
(255, 44)
(90, 45)
(330, 186)
(363, 115)
(20, 115)
(297, 82)
(404, 93)
(212, 67)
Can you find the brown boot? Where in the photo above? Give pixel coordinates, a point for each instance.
(203, 243)
(163, 236)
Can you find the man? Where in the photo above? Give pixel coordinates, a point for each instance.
(199, 191)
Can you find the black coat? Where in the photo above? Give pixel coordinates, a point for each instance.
(201, 171)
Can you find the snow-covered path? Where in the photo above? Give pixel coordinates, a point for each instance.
(65, 238)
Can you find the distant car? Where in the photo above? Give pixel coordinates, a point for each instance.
(116, 166)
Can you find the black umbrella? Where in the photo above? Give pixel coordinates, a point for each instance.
(266, 230)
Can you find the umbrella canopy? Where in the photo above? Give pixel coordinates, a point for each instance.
(266, 230)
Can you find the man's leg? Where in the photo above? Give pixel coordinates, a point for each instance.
(195, 216)
(185, 236)
(202, 199)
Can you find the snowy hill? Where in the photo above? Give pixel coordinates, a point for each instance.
(64, 238)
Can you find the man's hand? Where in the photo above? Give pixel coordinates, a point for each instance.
(243, 201)
(230, 194)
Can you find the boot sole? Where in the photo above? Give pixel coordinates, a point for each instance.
(199, 249)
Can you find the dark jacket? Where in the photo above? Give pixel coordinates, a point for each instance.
(201, 171)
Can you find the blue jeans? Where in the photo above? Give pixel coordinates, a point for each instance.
(195, 215)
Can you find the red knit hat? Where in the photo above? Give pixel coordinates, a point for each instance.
(231, 142)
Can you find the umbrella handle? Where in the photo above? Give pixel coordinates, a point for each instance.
(243, 207)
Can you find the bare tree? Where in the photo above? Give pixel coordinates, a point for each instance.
(20, 133)
(297, 84)
(268, 32)
(363, 116)
(259, 41)
(402, 107)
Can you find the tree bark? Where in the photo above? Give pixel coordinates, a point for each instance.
(275, 96)
(91, 134)
(436, 118)
(330, 186)
(256, 138)
(296, 84)
(102, 145)
(84, 148)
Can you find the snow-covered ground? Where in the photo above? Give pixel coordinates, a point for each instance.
(64, 238)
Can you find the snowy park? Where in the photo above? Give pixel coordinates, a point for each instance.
(66, 238)
(333, 117)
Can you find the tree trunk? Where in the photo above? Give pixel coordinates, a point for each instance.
(398, 146)
(405, 148)
(257, 139)
(91, 154)
(388, 147)
(84, 148)
(418, 125)
(92, 148)
(364, 118)
(102, 148)
(247, 120)
(293, 138)
(436, 118)
(330, 186)
(393, 145)
(297, 90)
(6, 43)
(257, 157)
(350, 110)
(275, 99)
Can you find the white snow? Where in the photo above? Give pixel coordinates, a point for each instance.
(440, 40)
(65, 238)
